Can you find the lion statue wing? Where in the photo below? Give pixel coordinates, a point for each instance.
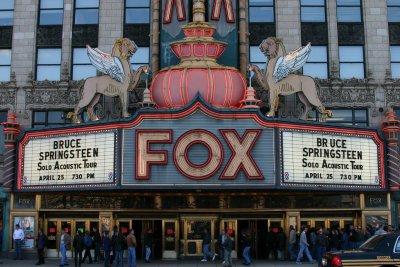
(106, 63)
(291, 62)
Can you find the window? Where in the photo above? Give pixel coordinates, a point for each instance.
(81, 66)
(313, 11)
(261, 11)
(86, 12)
(6, 12)
(5, 64)
(137, 11)
(348, 11)
(51, 12)
(358, 117)
(50, 118)
(317, 63)
(351, 62)
(141, 57)
(257, 58)
(395, 61)
(48, 64)
(393, 10)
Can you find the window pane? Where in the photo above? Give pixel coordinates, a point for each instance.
(87, 3)
(312, 2)
(6, 18)
(393, 2)
(39, 116)
(360, 114)
(6, 4)
(5, 73)
(261, 2)
(83, 71)
(395, 53)
(51, 17)
(141, 55)
(395, 70)
(348, 14)
(351, 70)
(137, 15)
(256, 55)
(313, 14)
(316, 70)
(261, 14)
(51, 3)
(394, 14)
(343, 114)
(80, 56)
(49, 56)
(351, 54)
(86, 16)
(56, 117)
(137, 3)
(348, 2)
(51, 73)
(318, 54)
(5, 57)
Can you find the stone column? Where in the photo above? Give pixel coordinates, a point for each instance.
(155, 36)
(243, 37)
(391, 127)
(111, 21)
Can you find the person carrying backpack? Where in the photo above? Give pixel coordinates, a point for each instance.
(88, 241)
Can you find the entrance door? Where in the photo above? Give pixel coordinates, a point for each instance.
(138, 226)
(170, 237)
(51, 230)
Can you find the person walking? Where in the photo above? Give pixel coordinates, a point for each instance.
(246, 242)
(41, 243)
(131, 242)
(78, 245)
(222, 248)
(65, 242)
(292, 242)
(118, 242)
(322, 243)
(206, 246)
(96, 244)
(281, 244)
(88, 241)
(303, 247)
(106, 248)
(271, 243)
(18, 237)
(227, 245)
(148, 243)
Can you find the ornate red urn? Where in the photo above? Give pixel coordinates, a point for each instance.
(198, 71)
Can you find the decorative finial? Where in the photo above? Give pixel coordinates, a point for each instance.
(199, 11)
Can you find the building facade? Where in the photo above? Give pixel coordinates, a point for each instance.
(355, 58)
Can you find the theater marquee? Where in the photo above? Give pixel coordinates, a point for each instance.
(335, 159)
(69, 160)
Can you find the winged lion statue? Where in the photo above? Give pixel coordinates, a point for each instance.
(119, 78)
(279, 77)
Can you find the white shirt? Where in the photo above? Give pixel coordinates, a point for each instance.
(18, 234)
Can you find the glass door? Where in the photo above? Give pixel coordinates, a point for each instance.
(51, 232)
(170, 238)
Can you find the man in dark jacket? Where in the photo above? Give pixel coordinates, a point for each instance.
(40, 245)
(227, 245)
(78, 248)
(88, 241)
(107, 248)
(206, 246)
(118, 242)
(148, 243)
(96, 243)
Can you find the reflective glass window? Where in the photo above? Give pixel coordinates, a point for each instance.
(357, 117)
(5, 64)
(51, 12)
(317, 63)
(348, 10)
(393, 9)
(261, 11)
(48, 64)
(81, 66)
(257, 58)
(137, 11)
(351, 60)
(6, 12)
(395, 61)
(86, 12)
(313, 11)
(50, 118)
(140, 58)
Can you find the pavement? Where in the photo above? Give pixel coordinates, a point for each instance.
(156, 263)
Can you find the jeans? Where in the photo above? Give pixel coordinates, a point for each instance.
(227, 257)
(320, 253)
(106, 258)
(131, 257)
(304, 248)
(148, 253)
(119, 258)
(292, 252)
(206, 251)
(64, 259)
(17, 247)
(246, 255)
(78, 258)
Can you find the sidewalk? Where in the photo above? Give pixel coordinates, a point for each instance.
(156, 263)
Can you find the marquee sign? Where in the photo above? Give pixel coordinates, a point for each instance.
(334, 159)
(68, 160)
(200, 147)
